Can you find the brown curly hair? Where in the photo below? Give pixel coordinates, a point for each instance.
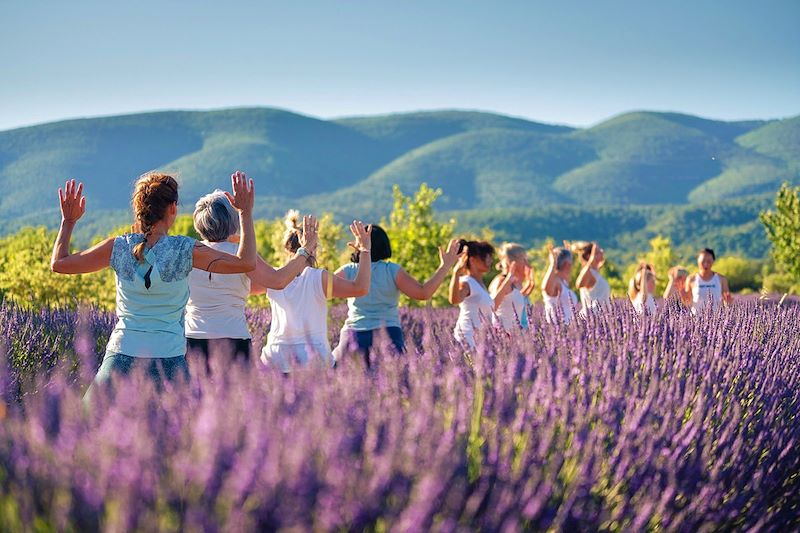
(153, 193)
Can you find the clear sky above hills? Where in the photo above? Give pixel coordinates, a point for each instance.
(573, 62)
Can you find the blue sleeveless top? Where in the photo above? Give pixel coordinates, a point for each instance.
(151, 296)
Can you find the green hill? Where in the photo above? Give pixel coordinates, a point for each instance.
(485, 163)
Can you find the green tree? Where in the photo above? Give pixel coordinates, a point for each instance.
(744, 275)
(416, 236)
(25, 275)
(783, 230)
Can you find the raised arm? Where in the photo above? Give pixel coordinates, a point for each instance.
(265, 276)
(458, 290)
(550, 283)
(500, 287)
(671, 284)
(211, 260)
(345, 288)
(424, 291)
(585, 276)
(73, 206)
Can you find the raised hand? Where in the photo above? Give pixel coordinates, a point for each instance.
(448, 258)
(461, 264)
(593, 253)
(363, 236)
(553, 255)
(244, 192)
(310, 236)
(72, 201)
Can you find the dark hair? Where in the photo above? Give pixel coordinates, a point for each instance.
(291, 237)
(153, 194)
(380, 249)
(708, 251)
(475, 249)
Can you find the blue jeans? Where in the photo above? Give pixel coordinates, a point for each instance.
(363, 340)
(158, 369)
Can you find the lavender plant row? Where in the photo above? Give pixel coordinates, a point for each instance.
(670, 422)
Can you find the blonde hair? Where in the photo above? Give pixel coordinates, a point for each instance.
(582, 249)
(153, 193)
(293, 232)
(512, 251)
(635, 284)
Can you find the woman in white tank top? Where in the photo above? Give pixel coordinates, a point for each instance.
(709, 289)
(510, 289)
(641, 288)
(299, 327)
(559, 300)
(593, 287)
(215, 313)
(467, 290)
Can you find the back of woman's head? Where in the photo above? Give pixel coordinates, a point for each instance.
(477, 249)
(582, 249)
(381, 247)
(153, 193)
(635, 284)
(563, 256)
(293, 232)
(512, 251)
(214, 217)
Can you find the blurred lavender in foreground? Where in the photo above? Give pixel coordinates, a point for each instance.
(616, 422)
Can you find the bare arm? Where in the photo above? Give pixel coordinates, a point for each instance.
(458, 290)
(585, 277)
(265, 276)
(343, 287)
(424, 291)
(550, 284)
(73, 206)
(726, 292)
(499, 288)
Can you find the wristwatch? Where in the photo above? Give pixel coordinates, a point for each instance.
(302, 251)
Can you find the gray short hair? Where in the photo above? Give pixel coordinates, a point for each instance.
(562, 256)
(214, 217)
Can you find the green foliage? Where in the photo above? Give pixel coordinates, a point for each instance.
(416, 236)
(25, 275)
(184, 225)
(783, 229)
(744, 275)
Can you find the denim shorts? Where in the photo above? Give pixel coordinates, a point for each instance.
(158, 369)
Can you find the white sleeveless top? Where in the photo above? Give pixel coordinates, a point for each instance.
(647, 307)
(703, 291)
(560, 306)
(599, 295)
(216, 301)
(513, 311)
(299, 312)
(475, 307)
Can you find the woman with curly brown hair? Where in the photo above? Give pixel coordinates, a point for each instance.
(152, 270)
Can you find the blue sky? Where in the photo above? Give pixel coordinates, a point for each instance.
(573, 62)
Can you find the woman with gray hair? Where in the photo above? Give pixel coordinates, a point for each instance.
(215, 319)
(559, 300)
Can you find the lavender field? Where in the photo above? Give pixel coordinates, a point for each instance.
(617, 423)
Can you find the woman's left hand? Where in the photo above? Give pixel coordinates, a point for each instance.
(363, 236)
(244, 193)
(72, 201)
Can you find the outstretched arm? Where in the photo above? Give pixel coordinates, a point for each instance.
(73, 206)
(424, 291)
(265, 276)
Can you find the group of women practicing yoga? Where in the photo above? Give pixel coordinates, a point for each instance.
(174, 293)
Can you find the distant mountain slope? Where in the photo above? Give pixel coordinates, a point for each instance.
(348, 166)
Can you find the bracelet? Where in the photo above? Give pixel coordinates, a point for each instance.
(364, 251)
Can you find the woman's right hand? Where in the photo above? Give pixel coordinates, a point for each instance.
(310, 236)
(244, 193)
(72, 201)
(448, 258)
(461, 264)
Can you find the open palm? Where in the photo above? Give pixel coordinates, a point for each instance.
(72, 201)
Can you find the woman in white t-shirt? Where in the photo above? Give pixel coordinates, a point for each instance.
(594, 289)
(467, 290)
(641, 288)
(215, 319)
(559, 300)
(299, 327)
(511, 288)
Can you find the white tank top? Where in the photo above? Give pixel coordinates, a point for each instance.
(513, 311)
(215, 309)
(299, 311)
(646, 307)
(705, 291)
(561, 306)
(475, 307)
(599, 295)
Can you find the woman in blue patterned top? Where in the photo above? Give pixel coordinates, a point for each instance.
(152, 271)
